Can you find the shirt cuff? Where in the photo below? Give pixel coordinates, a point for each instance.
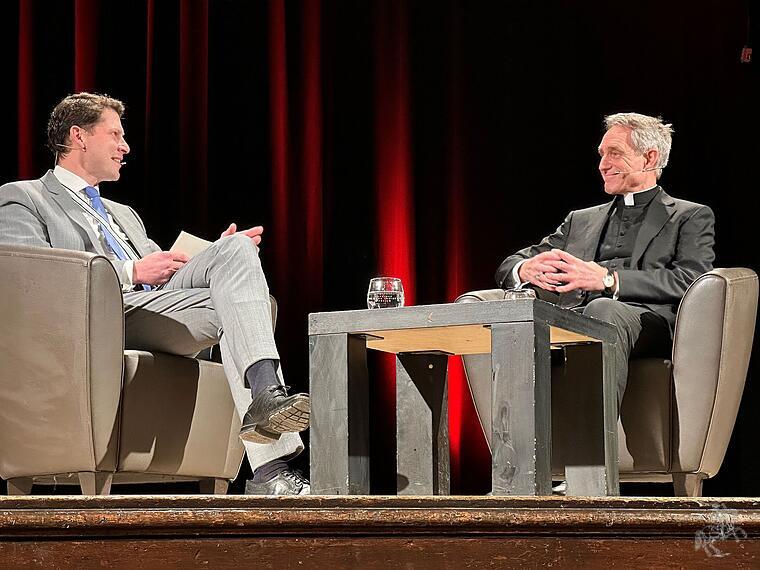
(126, 275)
(616, 294)
(516, 274)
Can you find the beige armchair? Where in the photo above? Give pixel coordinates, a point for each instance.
(76, 407)
(677, 415)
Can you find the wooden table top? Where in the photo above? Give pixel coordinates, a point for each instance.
(456, 328)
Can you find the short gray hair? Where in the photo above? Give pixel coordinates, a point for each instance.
(647, 133)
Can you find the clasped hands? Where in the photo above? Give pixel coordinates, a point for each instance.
(157, 268)
(560, 272)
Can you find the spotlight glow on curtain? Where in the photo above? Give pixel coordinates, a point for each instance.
(394, 201)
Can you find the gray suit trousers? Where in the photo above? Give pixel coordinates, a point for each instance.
(220, 296)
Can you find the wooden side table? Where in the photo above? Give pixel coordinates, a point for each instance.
(518, 335)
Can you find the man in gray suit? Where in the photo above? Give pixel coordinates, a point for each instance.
(172, 304)
(628, 261)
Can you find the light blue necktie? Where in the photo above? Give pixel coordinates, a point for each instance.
(111, 240)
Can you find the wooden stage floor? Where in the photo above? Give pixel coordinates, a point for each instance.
(377, 532)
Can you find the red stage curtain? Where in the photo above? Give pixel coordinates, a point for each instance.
(85, 44)
(394, 200)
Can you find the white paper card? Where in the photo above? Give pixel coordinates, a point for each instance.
(189, 244)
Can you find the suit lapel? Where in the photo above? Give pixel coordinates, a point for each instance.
(62, 197)
(584, 245)
(588, 242)
(125, 220)
(658, 213)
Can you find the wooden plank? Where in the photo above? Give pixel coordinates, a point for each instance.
(54, 505)
(172, 516)
(421, 316)
(422, 424)
(339, 434)
(520, 409)
(590, 441)
(424, 552)
(14, 506)
(455, 314)
(572, 321)
(461, 339)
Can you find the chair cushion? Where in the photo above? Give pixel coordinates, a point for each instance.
(178, 418)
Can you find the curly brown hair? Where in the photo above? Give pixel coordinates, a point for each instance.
(80, 109)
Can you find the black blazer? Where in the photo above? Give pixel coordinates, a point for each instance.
(674, 247)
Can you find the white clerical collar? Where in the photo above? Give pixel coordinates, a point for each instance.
(70, 180)
(628, 199)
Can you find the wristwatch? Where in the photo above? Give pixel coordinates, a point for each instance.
(609, 282)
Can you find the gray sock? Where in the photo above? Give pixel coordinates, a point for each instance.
(262, 374)
(269, 470)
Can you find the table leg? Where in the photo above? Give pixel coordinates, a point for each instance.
(339, 433)
(590, 447)
(610, 363)
(422, 424)
(521, 409)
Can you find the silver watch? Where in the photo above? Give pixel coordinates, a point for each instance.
(609, 282)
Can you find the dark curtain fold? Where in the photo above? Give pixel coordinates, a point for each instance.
(150, 30)
(281, 167)
(311, 151)
(25, 89)
(193, 113)
(86, 39)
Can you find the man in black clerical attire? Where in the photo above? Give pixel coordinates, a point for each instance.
(629, 261)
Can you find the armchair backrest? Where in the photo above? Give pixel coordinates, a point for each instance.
(61, 358)
(711, 350)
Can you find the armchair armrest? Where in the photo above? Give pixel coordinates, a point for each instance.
(711, 348)
(482, 295)
(61, 347)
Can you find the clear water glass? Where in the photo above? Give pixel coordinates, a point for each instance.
(385, 292)
(517, 294)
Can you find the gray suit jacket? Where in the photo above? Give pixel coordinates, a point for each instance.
(42, 213)
(674, 247)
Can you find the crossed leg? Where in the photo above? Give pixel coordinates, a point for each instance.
(221, 295)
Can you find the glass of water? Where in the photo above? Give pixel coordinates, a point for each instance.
(517, 294)
(385, 292)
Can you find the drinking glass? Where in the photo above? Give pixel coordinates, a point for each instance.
(518, 293)
(385, 292)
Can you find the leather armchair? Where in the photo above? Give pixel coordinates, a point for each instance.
(677, 415)
(76, 407)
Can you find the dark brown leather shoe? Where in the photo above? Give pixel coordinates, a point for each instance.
(272, 412)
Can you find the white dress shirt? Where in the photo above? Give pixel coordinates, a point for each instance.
(76, 185)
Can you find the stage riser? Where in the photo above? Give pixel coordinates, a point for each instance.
(333, 553)
(377, 532)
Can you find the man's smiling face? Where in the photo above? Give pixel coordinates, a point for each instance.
(105, 146)
(620, 164)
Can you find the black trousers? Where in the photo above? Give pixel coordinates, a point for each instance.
(640, 331)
